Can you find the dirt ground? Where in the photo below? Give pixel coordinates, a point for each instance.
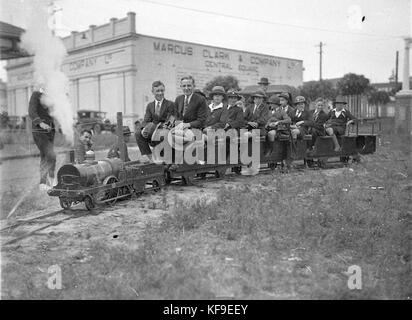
(25, 263)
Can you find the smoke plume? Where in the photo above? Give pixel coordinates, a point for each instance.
(49, 52)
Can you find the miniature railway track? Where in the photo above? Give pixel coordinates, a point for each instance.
(39, 222)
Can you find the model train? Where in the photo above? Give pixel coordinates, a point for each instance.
(105, 181)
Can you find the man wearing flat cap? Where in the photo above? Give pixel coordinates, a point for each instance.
(257, 114)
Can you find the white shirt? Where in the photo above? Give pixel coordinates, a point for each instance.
(212, 107)
(338, 113)
(254, 109)
(156, 102)
(189, 97)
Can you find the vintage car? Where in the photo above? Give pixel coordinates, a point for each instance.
(93, 120)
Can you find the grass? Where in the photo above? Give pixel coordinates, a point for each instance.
(276, 236)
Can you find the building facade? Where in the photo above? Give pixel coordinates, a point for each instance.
(111, 68)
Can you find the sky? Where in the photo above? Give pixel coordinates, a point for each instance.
(292, 28)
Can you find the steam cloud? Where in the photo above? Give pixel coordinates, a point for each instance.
(49, 52)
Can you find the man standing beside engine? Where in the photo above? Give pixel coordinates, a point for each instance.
(43, 131)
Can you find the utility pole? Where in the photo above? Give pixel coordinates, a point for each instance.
(320, 45)
(396, 67)
(52, 8)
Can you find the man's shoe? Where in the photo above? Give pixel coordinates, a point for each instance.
(50, 182)
(145, 159)
(44, 187)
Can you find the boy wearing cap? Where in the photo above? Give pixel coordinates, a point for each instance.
(278, 119)
(257, 114)
(115, 152)
(339, 118)
(286, 104)
(300, 118)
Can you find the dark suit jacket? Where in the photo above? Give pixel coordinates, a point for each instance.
(320, 120)
(234, 117)
(304, 116)
(38, 112)
(166, 109)
(291, 112)
(196, 112)
(261, 115)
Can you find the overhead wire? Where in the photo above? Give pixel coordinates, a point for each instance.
(270, 22)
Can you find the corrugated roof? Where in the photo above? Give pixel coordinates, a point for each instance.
(7, 30)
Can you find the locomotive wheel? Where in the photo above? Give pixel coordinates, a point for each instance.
(65, 203)
(272, 165)
(344, 159)
(356, 158)
(156, 186)
(202, 175)
(89, 203)
(112, 193)
(186, 180)
(168, 179)
(309, 163)
(220, 173)
(322, 163)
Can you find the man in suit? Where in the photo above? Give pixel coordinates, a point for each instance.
(157, 112)
(257, 114)
(191, 112)
(191, 108)
(43, 130)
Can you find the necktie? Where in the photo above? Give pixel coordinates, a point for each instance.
(157, 109)
(186, 103)
(254, 110)
(316, 115)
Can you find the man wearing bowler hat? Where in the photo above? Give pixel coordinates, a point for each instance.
(264, 85)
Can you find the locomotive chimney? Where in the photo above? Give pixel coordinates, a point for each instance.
(120, 138)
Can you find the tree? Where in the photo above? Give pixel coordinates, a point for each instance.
(377, 97)
(318, 89)
(397, 87)
(227, 82)
(354, 84)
